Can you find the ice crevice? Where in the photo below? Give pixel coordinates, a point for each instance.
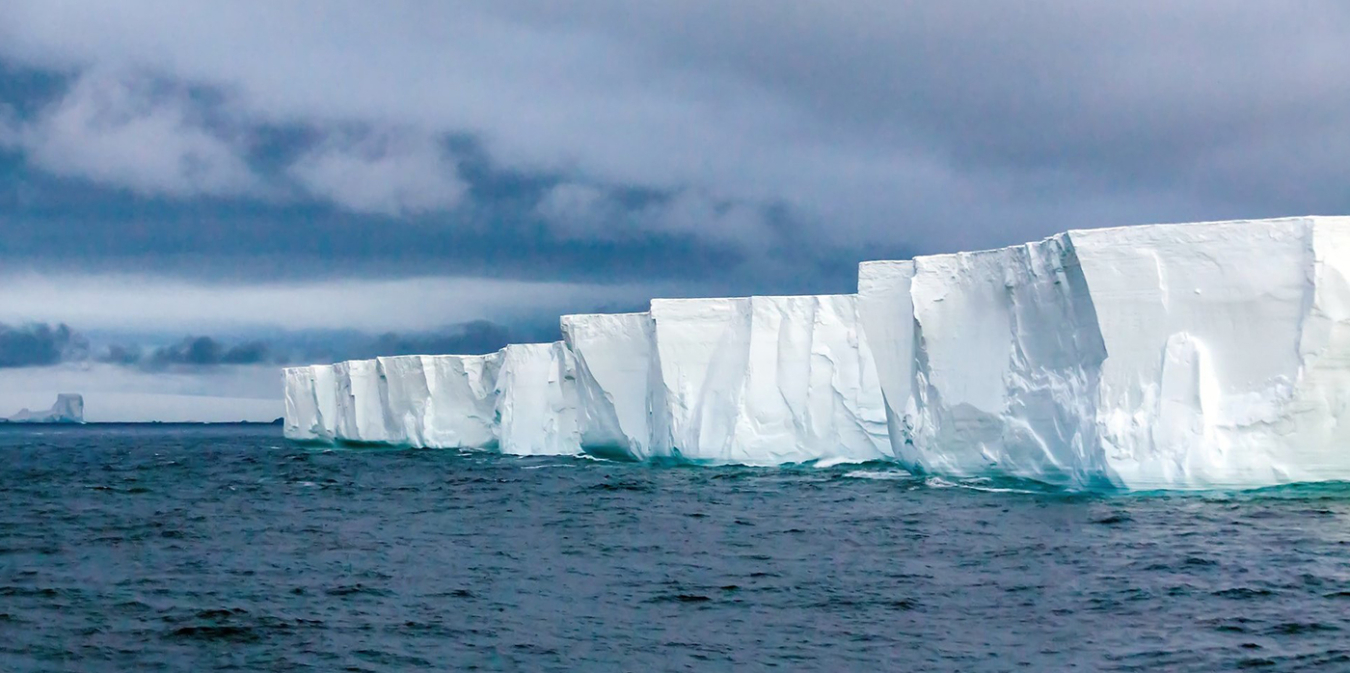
(1208, 355)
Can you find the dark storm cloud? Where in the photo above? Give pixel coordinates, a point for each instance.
(118, 354)
(472, 338)
(39, 345)
(475, 338)
(202, 351)
(769, 144)
(503, 236)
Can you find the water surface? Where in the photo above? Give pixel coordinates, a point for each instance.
(227, 548)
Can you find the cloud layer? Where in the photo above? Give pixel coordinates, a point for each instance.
(137, 134)
(42, 345)
(754, 127)
(38, 345)
(253, 170)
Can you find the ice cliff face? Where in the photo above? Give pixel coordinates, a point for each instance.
(360, 403)
(301, 421)
(444, 401)
(1000, 349)
(521, 400)
(461, 408)
(752, 380)
(537, 401)
(765, 380)
(619, 409)
(1165, 356)
(1169, 356)
(761, 381)
(1228, 351)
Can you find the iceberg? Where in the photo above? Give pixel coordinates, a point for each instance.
(1162, 356)
(1173, 356)
(69, 408)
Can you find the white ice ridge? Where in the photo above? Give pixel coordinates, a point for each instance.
(1161, 356)
(1164, 356)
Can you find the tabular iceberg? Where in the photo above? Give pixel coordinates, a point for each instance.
(69, 408)
(1161, 356)
(1165, 356)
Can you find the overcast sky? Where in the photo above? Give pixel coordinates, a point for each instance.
(319, 179)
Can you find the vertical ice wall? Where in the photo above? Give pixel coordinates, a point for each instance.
(461, 408)
(537, 401)
(702, 350)
(766, 380)
(615, 370)
(886, 316)
(360, 403)
(1214, 354)
(1321, 401)
(1166, 356)
(1008, 357)
(434, 401)
(301, 422)
(405, 399)
(325, 401)
(1226, 347)
(988, 360)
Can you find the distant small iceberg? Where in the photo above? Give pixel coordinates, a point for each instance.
(69, 408)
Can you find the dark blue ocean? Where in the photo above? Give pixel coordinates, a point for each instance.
(227, 548)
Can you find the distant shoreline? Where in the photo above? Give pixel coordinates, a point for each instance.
(22, 424)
